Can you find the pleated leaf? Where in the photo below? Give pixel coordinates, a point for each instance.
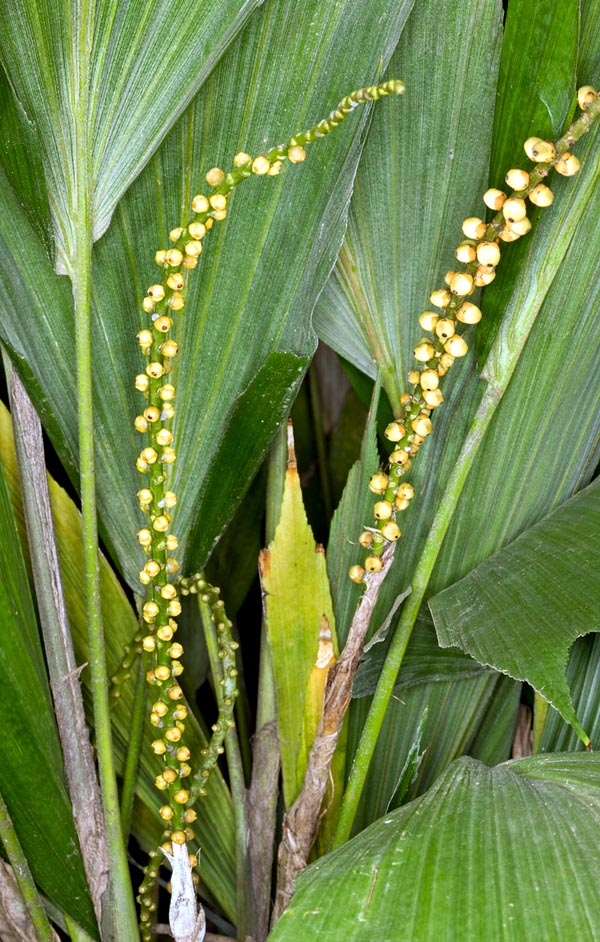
(246, 336)
(214, 826)
(522, 609)
(404, 220)
(32, 779)
(300, 631)
(507, 853)
(142, 63)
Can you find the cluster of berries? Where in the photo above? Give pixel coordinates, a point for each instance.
(480, 253)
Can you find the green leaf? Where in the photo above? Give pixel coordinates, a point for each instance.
(139, 82)
(537, 80)
(521, 609)
(253, 293)
(31, 772)
(536, 88)
(503, 853)
(405, 217)
(300, 631)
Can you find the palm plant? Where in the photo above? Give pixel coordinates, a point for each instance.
(365, 725)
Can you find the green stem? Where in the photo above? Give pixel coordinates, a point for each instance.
(22, 874)
(420, 580)
(119, 919)
(540, 714)
(136, 735)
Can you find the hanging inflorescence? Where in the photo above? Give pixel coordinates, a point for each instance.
(479, 254)
(164, 301)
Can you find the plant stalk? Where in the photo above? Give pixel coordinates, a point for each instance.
(119, 922)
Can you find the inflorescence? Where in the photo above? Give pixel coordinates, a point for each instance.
(164, 301)
(479, 253)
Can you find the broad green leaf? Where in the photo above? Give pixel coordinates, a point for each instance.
(422, 168)
(536, 88)
(141, 63)
(507, 853)
(588, 66)
(522, 608)
(215, 823)
(31, 772)
(253, 293)
(536, 83)
(300, 631)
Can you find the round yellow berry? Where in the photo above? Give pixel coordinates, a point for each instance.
(422, 425)
(391, 532)
(441, 297)
(378, 482)
(488, 253)
(474, 227)
(541, 195)
(514, 209)
(465, 252)
(468, 313)
(296, 154)
(200, 204)
(461, 283)
(242, 158)
(433, 398)
(174, 258)
(373, 564)
(429, 379)
(261, 166)
(568, 165)
(215, 176)
(424, 351)
(586, 95)
(494, 199)
(456, 346)
(382, 510)
(428, 319)
(405, 491)
(445, 328)
(517, 179)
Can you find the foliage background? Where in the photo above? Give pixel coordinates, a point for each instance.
(110, 172)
